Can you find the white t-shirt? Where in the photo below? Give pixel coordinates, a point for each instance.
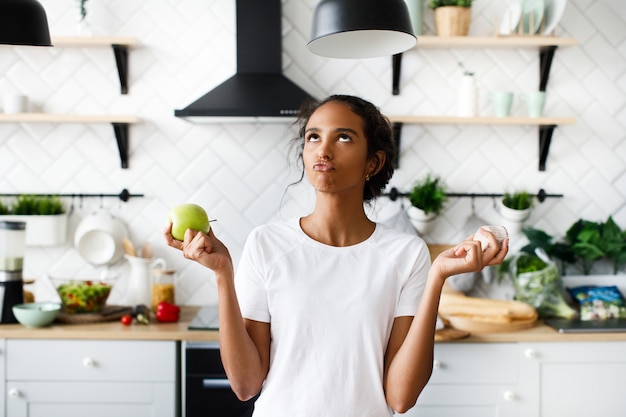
(331, 311)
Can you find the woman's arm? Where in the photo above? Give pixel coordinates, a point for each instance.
(409, 356)
(244, 344)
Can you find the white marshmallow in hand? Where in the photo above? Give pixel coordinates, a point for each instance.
(499, 232)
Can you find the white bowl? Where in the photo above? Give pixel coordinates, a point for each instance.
(99, 238)
(36, 314)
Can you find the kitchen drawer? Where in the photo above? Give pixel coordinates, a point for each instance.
(475, 363)
(90, 360)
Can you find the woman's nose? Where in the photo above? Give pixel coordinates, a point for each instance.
(324, 150)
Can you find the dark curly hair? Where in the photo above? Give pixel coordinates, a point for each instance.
(378, 133)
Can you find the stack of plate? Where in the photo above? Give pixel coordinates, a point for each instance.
(537, 12)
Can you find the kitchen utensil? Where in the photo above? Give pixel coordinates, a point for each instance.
(129, 248)
(146, 251)
(99, 238)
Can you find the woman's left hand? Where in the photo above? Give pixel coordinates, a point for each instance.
(468, 256)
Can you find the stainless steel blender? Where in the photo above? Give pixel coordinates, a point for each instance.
(12, 248)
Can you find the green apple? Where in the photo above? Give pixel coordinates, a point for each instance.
(188, 216)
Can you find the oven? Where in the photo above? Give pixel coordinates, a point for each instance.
(207, 390)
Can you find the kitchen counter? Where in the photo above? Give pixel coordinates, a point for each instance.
(114, 330)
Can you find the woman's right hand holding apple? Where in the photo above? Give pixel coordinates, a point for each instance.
(204, 248)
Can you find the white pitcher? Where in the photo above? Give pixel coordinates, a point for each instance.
(139, 288)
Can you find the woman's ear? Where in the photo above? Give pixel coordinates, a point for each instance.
(376, 162)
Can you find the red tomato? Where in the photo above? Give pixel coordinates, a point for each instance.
(127, 320)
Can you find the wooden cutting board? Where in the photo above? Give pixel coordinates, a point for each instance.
(108, 313)
(448, 334)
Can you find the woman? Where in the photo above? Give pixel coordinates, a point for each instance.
(332, 314)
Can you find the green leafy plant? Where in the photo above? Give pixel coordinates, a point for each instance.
(519, 200)
(429, 195)
(37, 205)
(433, 4)
(4, 209)
(584, 243)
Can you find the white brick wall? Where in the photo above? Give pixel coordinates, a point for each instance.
(239, 171)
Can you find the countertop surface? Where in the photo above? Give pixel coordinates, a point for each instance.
(114, 330)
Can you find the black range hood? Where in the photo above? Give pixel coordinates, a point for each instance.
(258, 89)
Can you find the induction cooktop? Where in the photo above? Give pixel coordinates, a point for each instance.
(206, 319)
(587, 326)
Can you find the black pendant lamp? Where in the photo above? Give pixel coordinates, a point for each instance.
(361, 28)
(23, 22)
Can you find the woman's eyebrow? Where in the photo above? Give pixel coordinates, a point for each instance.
(338, 130)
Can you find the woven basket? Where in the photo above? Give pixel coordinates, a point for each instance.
(452, 20)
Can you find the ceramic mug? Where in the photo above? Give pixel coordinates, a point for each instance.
(14, 103)
(502, 102)
(536, 101)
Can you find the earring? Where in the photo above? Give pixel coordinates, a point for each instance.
(367, 177)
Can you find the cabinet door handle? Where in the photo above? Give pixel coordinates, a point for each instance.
(530, 353)
(14, 393)
(89, 362)
(508, 395)
(437, 364)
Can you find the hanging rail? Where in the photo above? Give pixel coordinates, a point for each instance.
(393, 195)
(124, 195)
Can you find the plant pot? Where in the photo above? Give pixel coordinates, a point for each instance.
(452, 20)
(421, 221)
(42, 230)
(512, 219)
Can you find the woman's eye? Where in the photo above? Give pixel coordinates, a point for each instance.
(345, 138)
(312, 138)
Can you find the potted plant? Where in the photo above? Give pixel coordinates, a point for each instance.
(45, 218)
(452, 17)
(515, 209)
(428, 198)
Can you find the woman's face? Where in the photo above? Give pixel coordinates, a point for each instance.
(335, 150)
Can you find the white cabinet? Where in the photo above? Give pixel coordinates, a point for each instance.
(91, 377)
(471, 380)
(578, 379)
(533, 379)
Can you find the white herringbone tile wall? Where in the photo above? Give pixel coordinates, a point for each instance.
(240, 172)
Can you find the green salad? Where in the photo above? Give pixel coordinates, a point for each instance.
(83, 296)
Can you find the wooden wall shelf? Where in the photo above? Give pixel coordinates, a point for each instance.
(120, 125)
(120, 45)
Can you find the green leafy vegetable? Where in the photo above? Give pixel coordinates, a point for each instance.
(539, 284)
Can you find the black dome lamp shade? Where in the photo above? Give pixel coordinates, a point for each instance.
(23, 22)
(361, 28)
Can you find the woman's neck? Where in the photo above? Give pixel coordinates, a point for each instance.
(336, 223)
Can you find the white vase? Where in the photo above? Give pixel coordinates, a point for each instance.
(467, 97)
(421, 221)
(512, 219)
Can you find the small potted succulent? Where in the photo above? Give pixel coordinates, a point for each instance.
(428, 198)
(45, 218)
(452, 17)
